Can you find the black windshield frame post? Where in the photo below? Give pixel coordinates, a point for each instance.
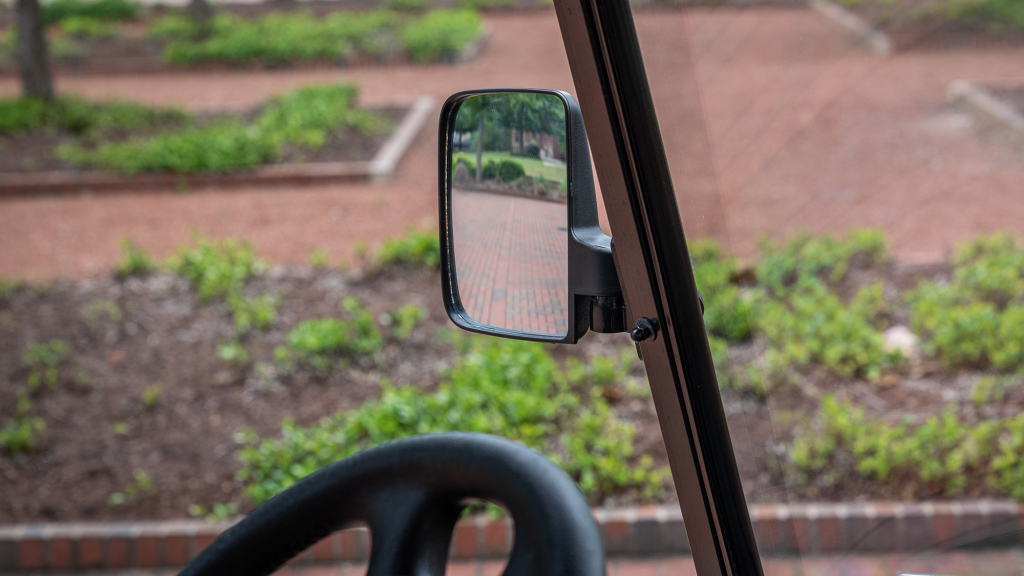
(657, 280)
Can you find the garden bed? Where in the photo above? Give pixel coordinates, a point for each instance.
(845, 376)
(942, 24)
(75, 145)
(135, 39)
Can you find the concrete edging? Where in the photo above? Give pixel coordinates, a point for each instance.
(983, 101)
(833, 528)
(878, 41)
(380, 167)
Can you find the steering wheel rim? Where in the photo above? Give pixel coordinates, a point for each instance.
(411, 493)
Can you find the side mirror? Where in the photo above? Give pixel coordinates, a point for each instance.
(522, 254)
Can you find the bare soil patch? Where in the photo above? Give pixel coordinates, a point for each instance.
(99, 430)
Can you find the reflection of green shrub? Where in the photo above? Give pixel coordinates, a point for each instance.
(441, 34)
(463, 159)
(490, 170)
(510, 170)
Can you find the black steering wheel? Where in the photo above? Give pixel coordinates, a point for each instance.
(411, 493)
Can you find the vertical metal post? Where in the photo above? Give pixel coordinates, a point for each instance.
(657, 280)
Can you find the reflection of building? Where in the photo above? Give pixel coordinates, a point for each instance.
(547, 145)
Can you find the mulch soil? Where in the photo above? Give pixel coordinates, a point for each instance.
(36, 151)
(185, 442)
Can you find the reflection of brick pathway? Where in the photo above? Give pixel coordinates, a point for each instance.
(803, 129)
(512, 261)
(996, 563)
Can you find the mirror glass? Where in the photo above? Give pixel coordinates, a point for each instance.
(510, 213)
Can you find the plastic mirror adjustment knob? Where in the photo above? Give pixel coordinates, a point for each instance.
(645, 330)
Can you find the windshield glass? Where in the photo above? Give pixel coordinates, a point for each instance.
(846, 175)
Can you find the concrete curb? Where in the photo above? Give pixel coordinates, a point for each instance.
(878, 41)
(983, 101)
(380, 167)
(834, 528)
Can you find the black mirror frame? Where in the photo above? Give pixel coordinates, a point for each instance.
(591, 266)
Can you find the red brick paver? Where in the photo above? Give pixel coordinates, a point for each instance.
(788, 124)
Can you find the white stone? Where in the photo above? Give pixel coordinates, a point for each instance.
(902, 339)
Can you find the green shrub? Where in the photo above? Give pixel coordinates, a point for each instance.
(411, 5)
(248, 313)
(277, 39)
(135, 262)
(510, 170)
(814, 325)
(824, 257)
(943, 452)
(508, 388)
(8, 288)
(216, 268)
(43, 361)
(441, 34)
(151, 396)
(233, 353)
(727, 313)
(173, 27)
(484, 4)
(62, 10)
(405, 319)
(20, 434)
(489, 170)
(304, 117)
(977, 319)
(220, 148)
(416, 248)
(88, 27)
(72, 114)
(463, 159)
(319, 343)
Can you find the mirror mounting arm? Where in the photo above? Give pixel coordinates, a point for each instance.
(592, 275)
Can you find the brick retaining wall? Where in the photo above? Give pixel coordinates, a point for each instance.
(780, 530)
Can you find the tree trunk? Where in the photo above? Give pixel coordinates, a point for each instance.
(480, 148)
(33, 53)
(201, 13)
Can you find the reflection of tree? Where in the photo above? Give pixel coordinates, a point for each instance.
(520, 112)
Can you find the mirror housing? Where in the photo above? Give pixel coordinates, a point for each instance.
(594, 296)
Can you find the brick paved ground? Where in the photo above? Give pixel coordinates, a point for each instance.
(801, 128)
(997, 563)
(511, 258)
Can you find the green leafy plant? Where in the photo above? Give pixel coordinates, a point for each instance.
(824, 258)
(62, 10)
(976, 319)
(135, 262)
(319, 259)
(416, 248)
(411, 5)
(43, 361)
(441, 34)
(142, 485)
(85, 27)
(21, 434)
(95, 310)
(233, 353)
(508, 388)
(319, 343)
(219, 512)
(77, 116)
(303, 118)
(216, 268)
(404, 320)
(8, 288)
(248, 313)
(943, 452)
(151, 396)
(727, 312)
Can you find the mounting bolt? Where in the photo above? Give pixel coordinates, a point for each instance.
(645, 329)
